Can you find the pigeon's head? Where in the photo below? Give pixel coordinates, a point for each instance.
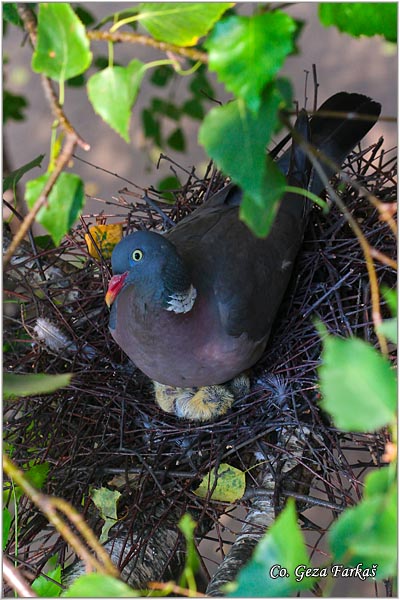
(149, 263)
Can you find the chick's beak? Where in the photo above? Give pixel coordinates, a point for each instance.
(114, 287)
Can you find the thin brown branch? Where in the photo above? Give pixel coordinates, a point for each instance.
(62, 161)
(60, 115)
(16, 581)
(137, 38)
(49, 506)
(386, 260)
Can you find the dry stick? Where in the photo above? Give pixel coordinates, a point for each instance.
(16, 581)
(49, 506)
(62, 161)
(137, 38)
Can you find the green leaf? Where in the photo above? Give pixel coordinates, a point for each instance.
(95, 585)
(166, 108)
(180, 23)
(357, 384)
(230, 485)
(361, 18)
(199, 85)
(65, 202)
(176, 140)
(62, 48)
(151, 126)
(259, 215)
(113, 92)
(6, 526)
(235, 138)
(13, 106)
(194, 109)
(282, 545)
(367, 533)
(78, 81)
(37, 474)
(162, 75)
(17, 386)
(247, 52)
(192, 562)
(84, 15)
(389, 329)
(106, 501)
(46, 588)
(169, 183)
(390, 297)
(10, 13)
(12, 179)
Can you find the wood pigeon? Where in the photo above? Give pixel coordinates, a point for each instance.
(193, 307)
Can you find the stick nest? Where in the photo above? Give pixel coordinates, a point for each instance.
(105, 429)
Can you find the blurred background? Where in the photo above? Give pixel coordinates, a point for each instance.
(367, 65)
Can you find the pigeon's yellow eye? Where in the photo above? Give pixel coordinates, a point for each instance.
(137, 255)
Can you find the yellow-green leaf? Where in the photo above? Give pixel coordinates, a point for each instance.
(230, 485)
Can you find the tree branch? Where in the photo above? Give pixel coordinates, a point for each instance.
(137, 38)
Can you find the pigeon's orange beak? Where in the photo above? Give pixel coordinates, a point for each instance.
(114, 287)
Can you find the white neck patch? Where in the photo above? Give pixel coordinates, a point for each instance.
(182, 302)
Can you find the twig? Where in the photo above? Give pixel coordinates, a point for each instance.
(16, 581)
(49, 506)
(137, 38)
(171, 588)
(62, 161)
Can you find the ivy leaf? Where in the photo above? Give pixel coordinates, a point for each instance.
(282, 545)
(62, 48)
(65, 202)
(94, 585)
(361, 18)
(12, 179)
(180, 23)
(151, 126)
(106, 501)
(247, 52)
(235, 138)
(230, 485)
(358, 385)
(113, 92)
(19, 386)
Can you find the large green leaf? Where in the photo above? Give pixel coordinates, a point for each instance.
(16, 386)
(12, 179)
(65, 202)
(361, 18)
(247, 52)
(113, 92)
(95, 585)
(358, 385)
(235, 137)
(62, 48)
(181, 23)
(284, 546)
(367, 533)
